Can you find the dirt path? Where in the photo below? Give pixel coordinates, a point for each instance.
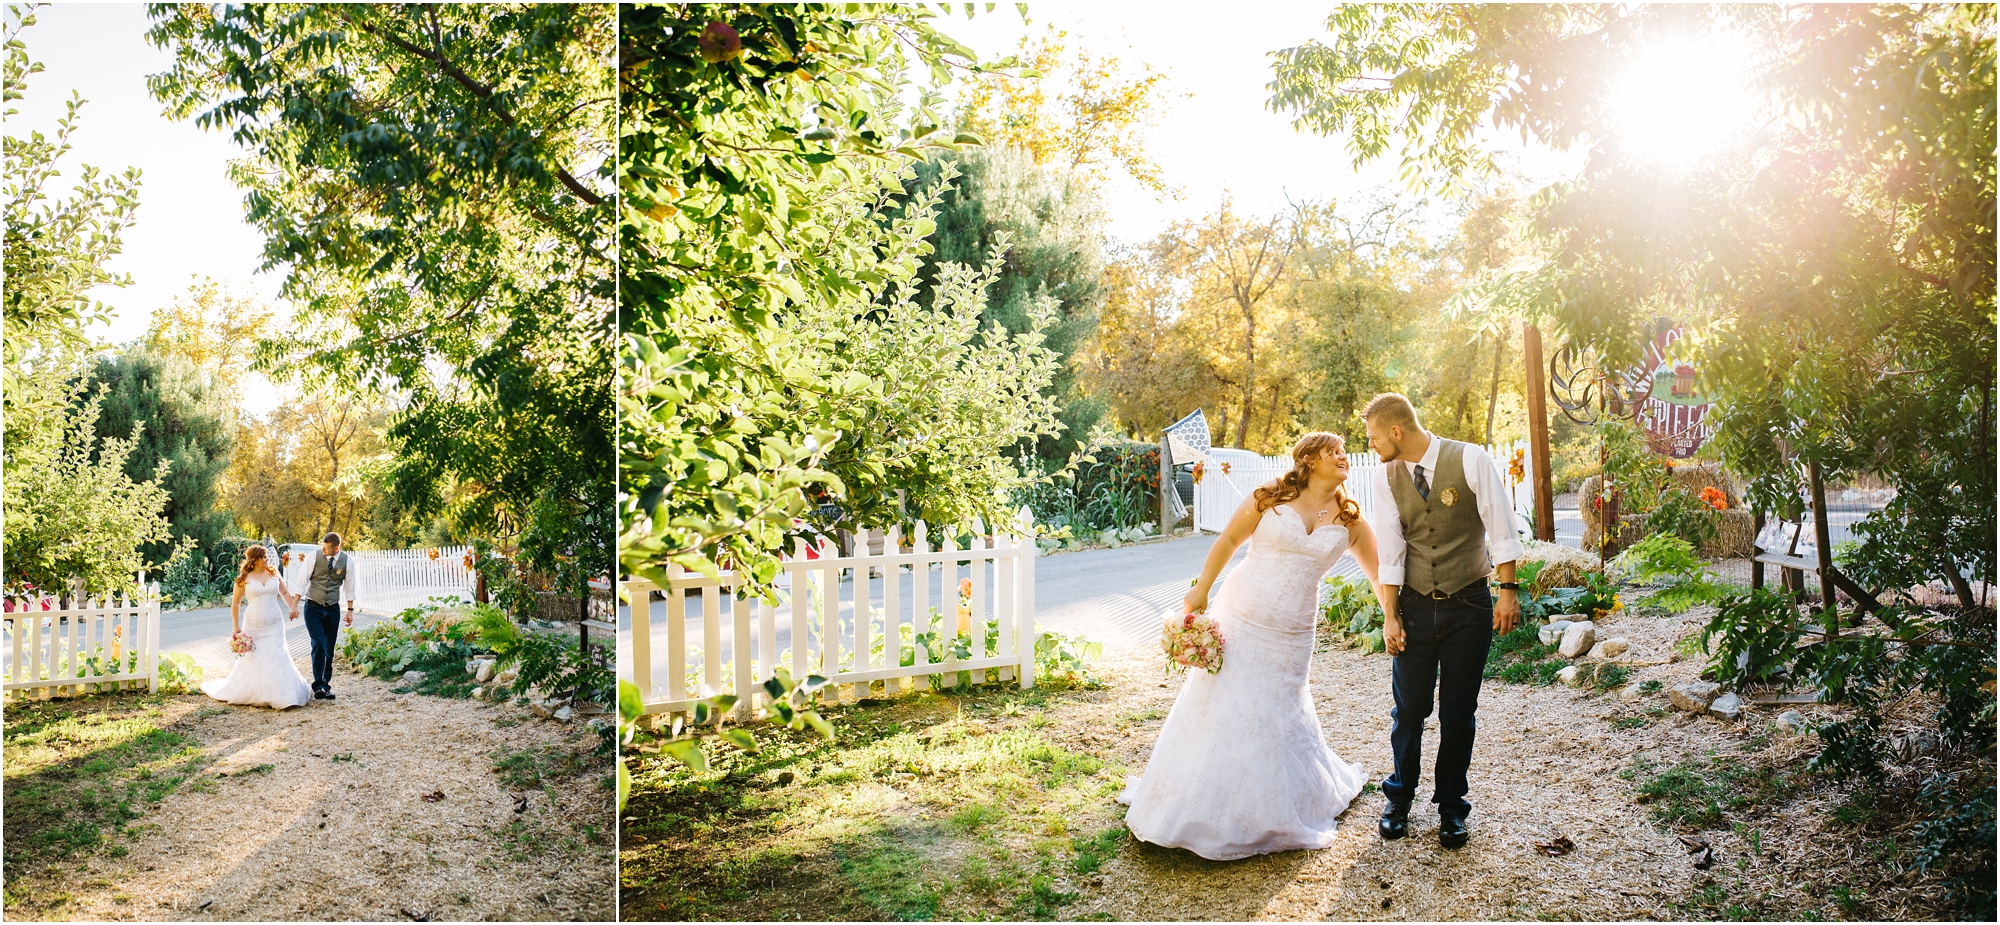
(1546, 765)
(319, 813)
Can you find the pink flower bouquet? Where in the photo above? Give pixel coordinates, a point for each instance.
(240, 643)
(1193, 641)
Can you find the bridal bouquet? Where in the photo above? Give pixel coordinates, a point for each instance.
(1193, 641)
(241, 643)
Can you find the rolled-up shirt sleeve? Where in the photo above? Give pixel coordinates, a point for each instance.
(1388, 523)
(1496, 505)
(353, 581)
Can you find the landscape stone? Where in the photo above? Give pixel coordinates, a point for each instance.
(542, 710)
(485, 672)
(1552, 632)
(563, 714)
(413, 677)
(1568, 676)
(1695, 696)
(1610, 648)
(1631, 691)
(1727, 706)
(507, 677)
(1790, 722)
(1577, 639)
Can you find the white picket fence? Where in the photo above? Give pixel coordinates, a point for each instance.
(389, 580)
(833, 613)
(95, 645)
(1217, 494)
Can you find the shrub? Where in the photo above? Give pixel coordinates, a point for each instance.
(1683, 514)
(1668, 561)
(179, 674)
(1351, 609)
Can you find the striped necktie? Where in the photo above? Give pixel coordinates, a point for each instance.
(1423, 484)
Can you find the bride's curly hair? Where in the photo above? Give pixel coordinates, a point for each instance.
(1293, 483)
(253, 557)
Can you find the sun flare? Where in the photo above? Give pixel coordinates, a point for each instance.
(1687, 98)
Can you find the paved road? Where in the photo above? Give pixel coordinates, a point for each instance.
(204, 634)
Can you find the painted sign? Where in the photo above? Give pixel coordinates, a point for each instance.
(1673, 417)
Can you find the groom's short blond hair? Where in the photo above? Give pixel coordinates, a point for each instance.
(1391, 408)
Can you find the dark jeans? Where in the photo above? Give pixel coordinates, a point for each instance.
(1444, 652)
(323, 624)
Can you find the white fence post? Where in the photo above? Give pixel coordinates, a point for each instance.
(83, 647)
(816, 632)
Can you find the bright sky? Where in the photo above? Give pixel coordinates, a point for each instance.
(1217, 135)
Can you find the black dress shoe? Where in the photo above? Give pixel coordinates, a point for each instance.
(326, 694)
(1395, 821)
(1451, 832)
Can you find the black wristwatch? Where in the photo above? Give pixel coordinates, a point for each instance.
(1509, 586)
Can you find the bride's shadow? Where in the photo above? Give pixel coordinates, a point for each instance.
(1179, 884)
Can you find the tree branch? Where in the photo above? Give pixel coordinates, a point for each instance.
(483, 92)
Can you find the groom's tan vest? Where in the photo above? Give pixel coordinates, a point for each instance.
(323, 586)
(1446, 541)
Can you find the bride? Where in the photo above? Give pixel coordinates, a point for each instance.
(264, 676)
(1241, 766)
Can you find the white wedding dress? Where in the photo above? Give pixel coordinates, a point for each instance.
(264, 676)
(1241, 766)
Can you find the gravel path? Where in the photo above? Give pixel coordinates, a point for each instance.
(1544, 766)
(319, 813)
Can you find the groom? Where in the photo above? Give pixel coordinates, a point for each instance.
(1442, 515)
(321, 581)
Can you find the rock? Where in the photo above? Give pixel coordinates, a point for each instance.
(414, 677)
(1577, 639)
(1610, 649)
(1631, 691)
(1568, 676)
(484, 672)
(1790, 722)
(1695, 696)
(471, 666)
(542, 710)
(564, 714)
(1727, 706)
(1552, 632)
(508, 676)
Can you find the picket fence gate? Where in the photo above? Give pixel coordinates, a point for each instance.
(1217, 494)
(821, 642)
(89, 647)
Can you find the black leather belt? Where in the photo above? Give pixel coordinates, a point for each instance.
(1479, 585)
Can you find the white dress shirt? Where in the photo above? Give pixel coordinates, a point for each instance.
(1489, 491)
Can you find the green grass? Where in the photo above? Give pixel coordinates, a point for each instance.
(78, 774)
(1520, 658)
(925, 807)
(1703, 793)
(534, 767)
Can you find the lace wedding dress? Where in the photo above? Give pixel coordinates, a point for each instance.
(264, 676)
(1241, 767)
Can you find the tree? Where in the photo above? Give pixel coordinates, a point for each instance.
(212, 328)
(165, 416)
(764, 153)
(307, 469)
(1839, 264)
(73, 514)
(435, 182)
(1082, 114)
(1049, 224)
(56, 253)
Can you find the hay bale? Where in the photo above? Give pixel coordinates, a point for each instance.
(1565, 566)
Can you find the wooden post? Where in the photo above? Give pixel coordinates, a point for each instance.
(1166, 485)
(1756, 564)
(1821, 537)
(1538, 436)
